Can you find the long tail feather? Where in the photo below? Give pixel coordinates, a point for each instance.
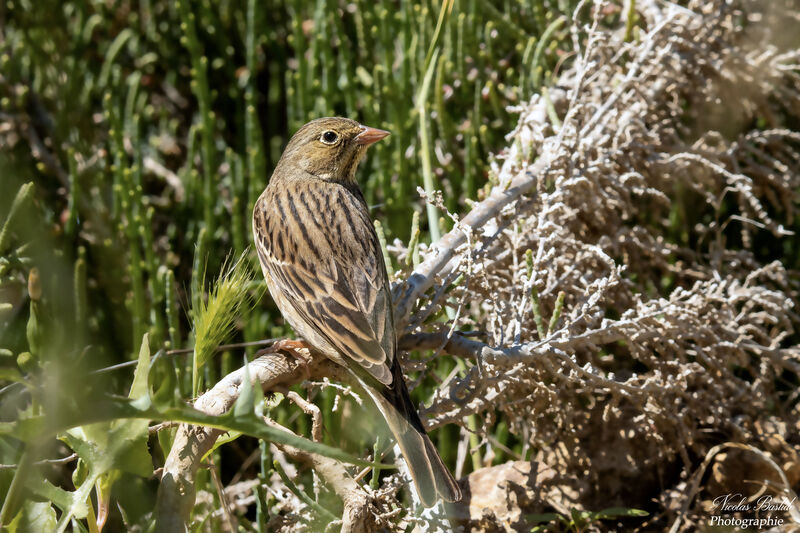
(430, 475)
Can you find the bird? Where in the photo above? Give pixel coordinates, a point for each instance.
(325, 270)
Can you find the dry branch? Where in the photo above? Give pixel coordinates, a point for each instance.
(358, 516)
(177, 493)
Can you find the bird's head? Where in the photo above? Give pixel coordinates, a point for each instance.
(330, 148)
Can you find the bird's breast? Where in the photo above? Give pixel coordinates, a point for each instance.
(313, 223)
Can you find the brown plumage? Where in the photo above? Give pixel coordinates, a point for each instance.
(325, 270)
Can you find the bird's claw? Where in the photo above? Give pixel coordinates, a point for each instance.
(299, 350)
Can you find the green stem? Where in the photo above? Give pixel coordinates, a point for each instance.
(382, 239)
(376, 472)
(425, 149)
(202, 92)
(294, 489)
(24, 194)
(71, 226)
(474, 443)
(540, 47)
(630, 20)
(14, 494)
(556, 313)
(81, 297)
(537, 313)
(412, 257)
(551, 110)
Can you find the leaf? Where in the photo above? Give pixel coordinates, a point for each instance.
(107, 446)
(9, 373)
(163, 372)
(225, 438)
(251, 399)
(34, 516)
(62, 499)
(74, 424)
(616, 512)
(580, 518)
(118, 444)
(244, 403)
(114, 445)
(139, 385)
(103, 487)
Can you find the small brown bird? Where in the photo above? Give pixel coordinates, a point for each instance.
(325, 270)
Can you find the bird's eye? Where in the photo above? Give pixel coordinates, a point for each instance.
(329, 137)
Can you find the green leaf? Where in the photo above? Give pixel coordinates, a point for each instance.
(579, 518)
(139, 385)
(107, 446)
(273, 401)
(244, 403)
(162, 372)
(251, 399)
(61, 498)
(118, 444)
(225, 438)
(616, 512)
(9, 373)
(166, 438)
(130, 449)
(39, 428)
(34, 516)
(103, 487)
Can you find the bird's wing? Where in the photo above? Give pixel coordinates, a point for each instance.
(320, 249)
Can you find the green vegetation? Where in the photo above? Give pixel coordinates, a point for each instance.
(579, 521)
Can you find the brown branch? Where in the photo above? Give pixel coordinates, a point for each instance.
(273, 371)
(176, 494)
(358, 516)
(312, 410)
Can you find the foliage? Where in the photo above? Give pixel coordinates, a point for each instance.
(578, 520)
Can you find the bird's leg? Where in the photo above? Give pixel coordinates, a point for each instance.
(298, 349)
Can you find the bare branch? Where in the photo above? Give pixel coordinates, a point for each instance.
(271, 372)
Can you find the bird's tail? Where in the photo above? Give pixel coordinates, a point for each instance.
(431, 477)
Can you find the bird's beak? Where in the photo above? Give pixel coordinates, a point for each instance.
(370, 135)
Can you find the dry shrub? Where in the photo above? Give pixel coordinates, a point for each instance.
(674, 336)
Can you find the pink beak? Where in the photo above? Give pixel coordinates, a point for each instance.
(370, 135)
